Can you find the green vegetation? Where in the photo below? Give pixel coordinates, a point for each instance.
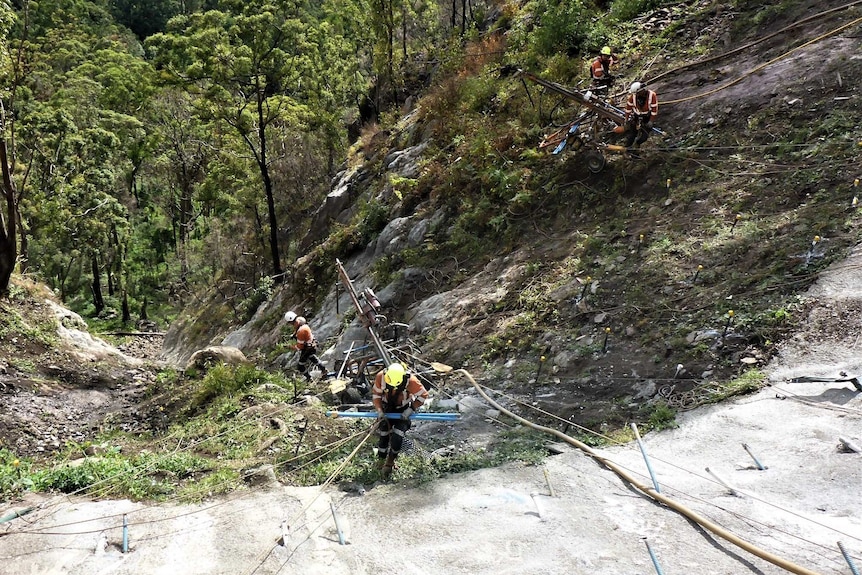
(418, 466)
(143, 476)
(662, 417)
(183, 163)
(109, 474)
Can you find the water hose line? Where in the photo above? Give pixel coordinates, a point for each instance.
(647, 490)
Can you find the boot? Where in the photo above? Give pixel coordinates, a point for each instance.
(386, 470)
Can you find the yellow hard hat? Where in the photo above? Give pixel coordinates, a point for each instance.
(606, 50)
(394, 374)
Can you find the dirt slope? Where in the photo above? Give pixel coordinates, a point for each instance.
(488, 521)
(505, 521)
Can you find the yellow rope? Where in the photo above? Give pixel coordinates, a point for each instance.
(263, 556)
(754, 43)
(762, 66)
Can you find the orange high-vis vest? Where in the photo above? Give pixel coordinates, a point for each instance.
(645, 110)
(304, 337)
(597, 69)
(390, 399)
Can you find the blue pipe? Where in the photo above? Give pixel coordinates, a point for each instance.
(848, 559)
(418, 416)
(646, 458)
(337, 526)
(125, 535)
(16, 514)
(760, 466)
(654, 559)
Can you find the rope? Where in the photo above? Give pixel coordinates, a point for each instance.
(326, 449)
(698, 475)
(762, 66)
(754, 43)
(263, 556)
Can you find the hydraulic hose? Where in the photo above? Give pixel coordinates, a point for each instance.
(649, 491)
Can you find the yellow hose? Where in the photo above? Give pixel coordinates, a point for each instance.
(649, 491)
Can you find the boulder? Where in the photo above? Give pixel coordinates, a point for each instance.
(215, 354)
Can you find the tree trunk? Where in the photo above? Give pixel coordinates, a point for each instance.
(23, 244)
(390, 48)
(463, 17)
(127, 314)
(8, 222)
(98, 300)
(403, 33)
(277, 271)
(186, 209)
(109, 270)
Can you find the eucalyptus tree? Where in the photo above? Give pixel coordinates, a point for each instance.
(8, 195)
(78, 143)
(8, 216)
(185, 150)
(404, 36)
(264, 70)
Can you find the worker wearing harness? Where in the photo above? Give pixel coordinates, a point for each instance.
(394, 391)
(306, 344)
(600, 70)
(641, 111)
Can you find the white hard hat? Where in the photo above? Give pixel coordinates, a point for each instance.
(289, 317)
(635, 87)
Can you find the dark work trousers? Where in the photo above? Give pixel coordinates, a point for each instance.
(391, 433)
(307, 356)
(635, 132)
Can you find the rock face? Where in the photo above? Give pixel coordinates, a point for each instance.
(214, 354)
(72, 329)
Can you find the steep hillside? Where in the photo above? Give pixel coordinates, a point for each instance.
(660, 279)
(590, 299)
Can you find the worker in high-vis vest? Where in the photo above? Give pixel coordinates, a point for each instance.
(394, 391)
(600, 69)
(306, 344)
(640, 113)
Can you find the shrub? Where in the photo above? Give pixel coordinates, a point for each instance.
(563, 27)
(225, 380)
(261, 293)
(14, 474)
(622, 10)
(662, 417)
(144, 476)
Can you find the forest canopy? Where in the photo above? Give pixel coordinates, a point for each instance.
(157, 149)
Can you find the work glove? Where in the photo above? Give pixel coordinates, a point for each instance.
(381, 415)
(405, 415)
